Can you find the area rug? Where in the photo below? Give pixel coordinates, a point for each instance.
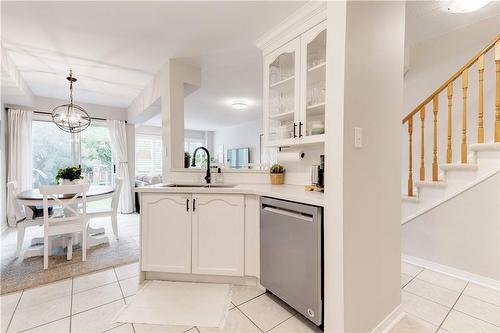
(178, 303)
(17, 273)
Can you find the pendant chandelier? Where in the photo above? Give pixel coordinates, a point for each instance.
(70, 117)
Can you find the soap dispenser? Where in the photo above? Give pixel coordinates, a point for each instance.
(219, 177)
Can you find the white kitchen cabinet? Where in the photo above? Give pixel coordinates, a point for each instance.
(193, 233)
(294, 80)
(218, 244)
(281, 94)
(166, 232)
(313, 84)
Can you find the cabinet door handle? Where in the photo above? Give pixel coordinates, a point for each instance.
(294, 130)
(300, 129)
(187, 204)
(194, 205)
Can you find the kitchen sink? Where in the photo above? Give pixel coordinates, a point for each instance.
(198, 185)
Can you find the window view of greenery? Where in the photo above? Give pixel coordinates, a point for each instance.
(190, 146)
(96, 157)
(51, 151)
(148, 154)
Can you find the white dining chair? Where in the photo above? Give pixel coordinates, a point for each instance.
(22, 220)
(71, 219)
(111, 211)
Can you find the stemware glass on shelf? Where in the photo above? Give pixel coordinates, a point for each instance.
(316, 93)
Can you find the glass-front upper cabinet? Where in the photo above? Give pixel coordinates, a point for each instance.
(281, 97)
(313, 87)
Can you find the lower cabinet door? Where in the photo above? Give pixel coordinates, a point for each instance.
(166, 232)
(218, 234)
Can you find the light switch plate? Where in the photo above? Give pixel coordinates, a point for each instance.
(358, 137)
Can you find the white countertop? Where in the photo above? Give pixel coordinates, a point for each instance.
(286, 192)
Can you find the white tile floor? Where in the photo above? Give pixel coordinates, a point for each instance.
(434, 303)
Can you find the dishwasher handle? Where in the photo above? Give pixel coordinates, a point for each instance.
(288, 213)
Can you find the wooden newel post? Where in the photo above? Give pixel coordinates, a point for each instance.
(422, 143)
(450, 104)
(410, 155)
(497, 104)
(480, 129)
(434, 151)
(465, 82)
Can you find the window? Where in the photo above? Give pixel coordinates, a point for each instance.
(53, 149)
(190, 145)
(148, 157)
(96, 156)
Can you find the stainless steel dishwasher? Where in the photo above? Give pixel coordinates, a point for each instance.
(291, 255)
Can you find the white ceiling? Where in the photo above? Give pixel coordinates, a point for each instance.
(428, 19)
(114, 48)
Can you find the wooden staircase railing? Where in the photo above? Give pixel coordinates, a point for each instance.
(434, 97)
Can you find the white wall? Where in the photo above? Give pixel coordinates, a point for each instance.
(463, 233)
(246, 135)
(431, 63)
(363, 216)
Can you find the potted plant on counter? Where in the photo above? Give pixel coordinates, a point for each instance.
(277, 174)
(70, 175)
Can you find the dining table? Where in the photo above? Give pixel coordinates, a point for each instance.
(96, 236)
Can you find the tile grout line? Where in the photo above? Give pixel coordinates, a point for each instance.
(445, 317)
(49, 322)
(468, 314)
(281, 322)
(428, 299)
(15, 309)
(237, 308)
(236, 305)
(119, 284)
(98, 306)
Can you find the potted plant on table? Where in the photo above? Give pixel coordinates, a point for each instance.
(277, 174)
(70, 175)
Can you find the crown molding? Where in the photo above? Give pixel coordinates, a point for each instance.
(309, 15)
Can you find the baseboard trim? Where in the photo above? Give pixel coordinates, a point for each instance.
(390, 321)
(454, 272)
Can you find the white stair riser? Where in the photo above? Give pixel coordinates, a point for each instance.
(460, 176)
(431, 193)
(488, 158)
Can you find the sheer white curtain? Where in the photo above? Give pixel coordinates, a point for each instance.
(19, 161)
(118, 135)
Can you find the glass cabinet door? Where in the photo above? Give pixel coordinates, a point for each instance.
(313, 87)
(282, 83)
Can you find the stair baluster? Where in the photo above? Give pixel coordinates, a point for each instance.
(434, 152)
(465, 81)
(480, 130)
(450, 104)
(410, 152)
(422, 143)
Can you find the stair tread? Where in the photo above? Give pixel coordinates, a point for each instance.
(430, 183)
(459, 166)
(494, 146)
(409, 199)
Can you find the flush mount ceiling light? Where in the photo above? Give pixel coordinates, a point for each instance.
(466, 6)
(70, 117)
(239, 105)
